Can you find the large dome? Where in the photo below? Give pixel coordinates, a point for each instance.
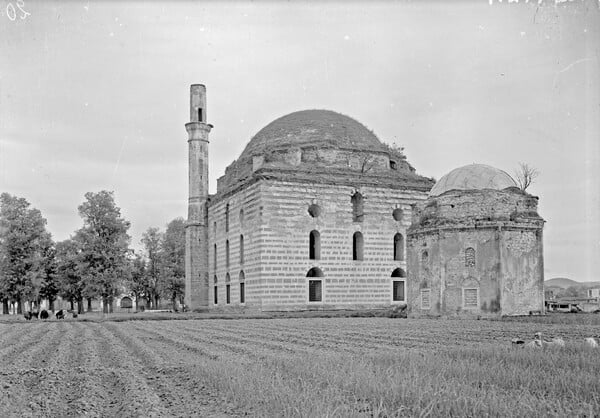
(473, 177)
(323, 128)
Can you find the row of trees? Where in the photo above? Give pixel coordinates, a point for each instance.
(94, 263)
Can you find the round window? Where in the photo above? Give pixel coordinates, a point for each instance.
(314, 210)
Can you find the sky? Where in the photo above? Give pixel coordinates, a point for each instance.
(95, 95)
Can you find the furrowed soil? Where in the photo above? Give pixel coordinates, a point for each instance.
(295, 367)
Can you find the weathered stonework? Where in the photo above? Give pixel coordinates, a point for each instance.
(500, 230)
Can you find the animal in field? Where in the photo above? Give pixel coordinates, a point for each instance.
(44, 314)
(591, 342)
(60, 314)
(35, 314)
(539, 342)
(517, 342)
(27, 315)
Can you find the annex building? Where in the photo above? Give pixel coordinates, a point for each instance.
(316, 213)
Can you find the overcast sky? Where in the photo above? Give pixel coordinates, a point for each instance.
(95, 95)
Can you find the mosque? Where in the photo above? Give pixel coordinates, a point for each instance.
(318, 214)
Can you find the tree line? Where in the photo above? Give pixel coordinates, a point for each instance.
(95, 263)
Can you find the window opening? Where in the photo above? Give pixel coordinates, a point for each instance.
(314, 245)
(425, 298)
(470, 257)
(398, 291)
(398, 247)
(357, 246)
(357, 207)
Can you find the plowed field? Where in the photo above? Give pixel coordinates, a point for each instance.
(291, 367)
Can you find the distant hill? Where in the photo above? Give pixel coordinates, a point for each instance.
(563, 283)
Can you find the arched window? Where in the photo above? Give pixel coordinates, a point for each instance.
(227, 254)
(227, 218)
(398, 247)
(398, 285)
(470, 257)
(357, 246)
(227, 289)
(241, 218)
(242, 287)
(215, 289)
(357, 207)
(215, 257)
(399, 273)
(424, 257)
(315, 284)
(314, 246)
(241, 249)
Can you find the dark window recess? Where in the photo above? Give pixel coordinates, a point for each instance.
(358, 214)
(241, 249)
(357, 246)
(314, 291)
(216, 295)
(393, 165)
(227, 254)
(398, 273)
(242, 279)
(398, 247)
(215, 257)
(228, 294)
(314, 246)
(227, 218)
(200, 115)
(398, 291)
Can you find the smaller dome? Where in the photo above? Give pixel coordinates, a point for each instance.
(473, 177)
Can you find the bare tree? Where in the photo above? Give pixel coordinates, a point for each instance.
(525, 175)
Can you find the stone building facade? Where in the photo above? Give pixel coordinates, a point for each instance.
(312, 215)
(317, 213)
(475, 247)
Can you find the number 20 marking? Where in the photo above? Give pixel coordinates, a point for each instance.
(11, 11)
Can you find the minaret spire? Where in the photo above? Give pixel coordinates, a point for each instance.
(196, 232)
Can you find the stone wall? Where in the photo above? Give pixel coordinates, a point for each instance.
(469, 206)
(502, 274)
(276, 230)
(447, 272)
(245, 214)
(522, 271)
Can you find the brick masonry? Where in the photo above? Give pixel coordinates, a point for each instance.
(276, 227)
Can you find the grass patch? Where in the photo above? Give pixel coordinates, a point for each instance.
(458, 382)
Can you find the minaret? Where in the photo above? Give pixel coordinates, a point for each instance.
(196, 231)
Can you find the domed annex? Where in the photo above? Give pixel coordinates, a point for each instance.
(312, 215)
(475, 247)
(473, 177)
